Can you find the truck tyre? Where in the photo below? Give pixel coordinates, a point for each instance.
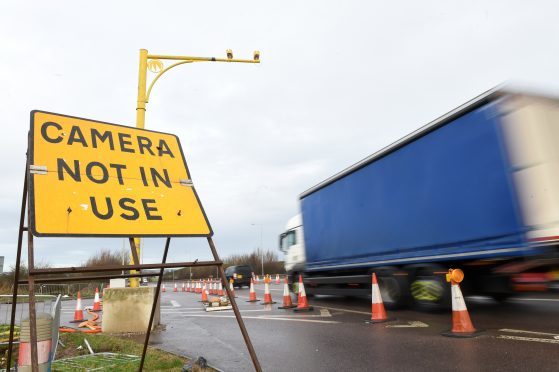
(394, 289)
(429, 291)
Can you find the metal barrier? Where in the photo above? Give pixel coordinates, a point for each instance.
(45, 304)
(70, 289)
(49, 304)
(55, 313)
(47, 289)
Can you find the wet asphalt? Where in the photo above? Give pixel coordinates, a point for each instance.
(521, 334)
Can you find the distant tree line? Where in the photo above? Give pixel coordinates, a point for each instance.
(272, 265)
(106, 257)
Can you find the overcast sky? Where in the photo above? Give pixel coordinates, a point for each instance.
(338, 81)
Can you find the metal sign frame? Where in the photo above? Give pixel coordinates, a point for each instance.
(37, 276)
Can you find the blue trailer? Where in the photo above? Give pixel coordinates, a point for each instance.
(477, 188)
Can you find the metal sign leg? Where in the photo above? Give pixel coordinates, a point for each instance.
(154, 306)
(32, 313)
(236, 310)
(16, 273)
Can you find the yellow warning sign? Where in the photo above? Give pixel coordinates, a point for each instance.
(89, 178)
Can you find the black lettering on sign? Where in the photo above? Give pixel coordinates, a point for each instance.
(89, 172)
(164, 148)
(44, 129)
(124, 204)
(76, 135)
(96, 135)
(119, 168)
(148, 209)
(143, 175)
(145, 143)
(62, 167)
(123, 140)
(155, 175)
(95, 211)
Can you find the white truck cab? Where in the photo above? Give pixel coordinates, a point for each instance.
(292, 244)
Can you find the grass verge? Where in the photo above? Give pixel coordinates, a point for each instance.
(156, 360)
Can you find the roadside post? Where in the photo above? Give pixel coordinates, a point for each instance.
(87, 178)
(154, 63)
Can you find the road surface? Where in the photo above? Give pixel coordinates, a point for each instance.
(521, 334)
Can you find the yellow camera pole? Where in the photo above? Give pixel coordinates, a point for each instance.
(154, 64)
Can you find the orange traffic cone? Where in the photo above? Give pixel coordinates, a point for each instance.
(198, 286)
(163, 288)
(277, 279)
(302, 304)
(252, 294)
(204, 293)
(220, 289)
(183, 287)
(232, 288)
(461, 323)
(175, 289)
(378, 313)
(267, 295)
(78, 313)
(287, 303)
(214, 288)
(96, 301)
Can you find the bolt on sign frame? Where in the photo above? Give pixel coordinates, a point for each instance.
(89, 178)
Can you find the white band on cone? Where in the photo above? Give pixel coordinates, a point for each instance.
(285, 290)
(458, 303)
(376, 298)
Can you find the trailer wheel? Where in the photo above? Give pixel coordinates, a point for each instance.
(429, 291)
(393, 287)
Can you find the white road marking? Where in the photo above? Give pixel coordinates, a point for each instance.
(324, 313)
(250, 310)
(175, 303)
(533, 339)
(178, 311)
(265, 318)
(529, 332)
(412, 324)
(536, 299)
(295, 316)
(344, 310)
